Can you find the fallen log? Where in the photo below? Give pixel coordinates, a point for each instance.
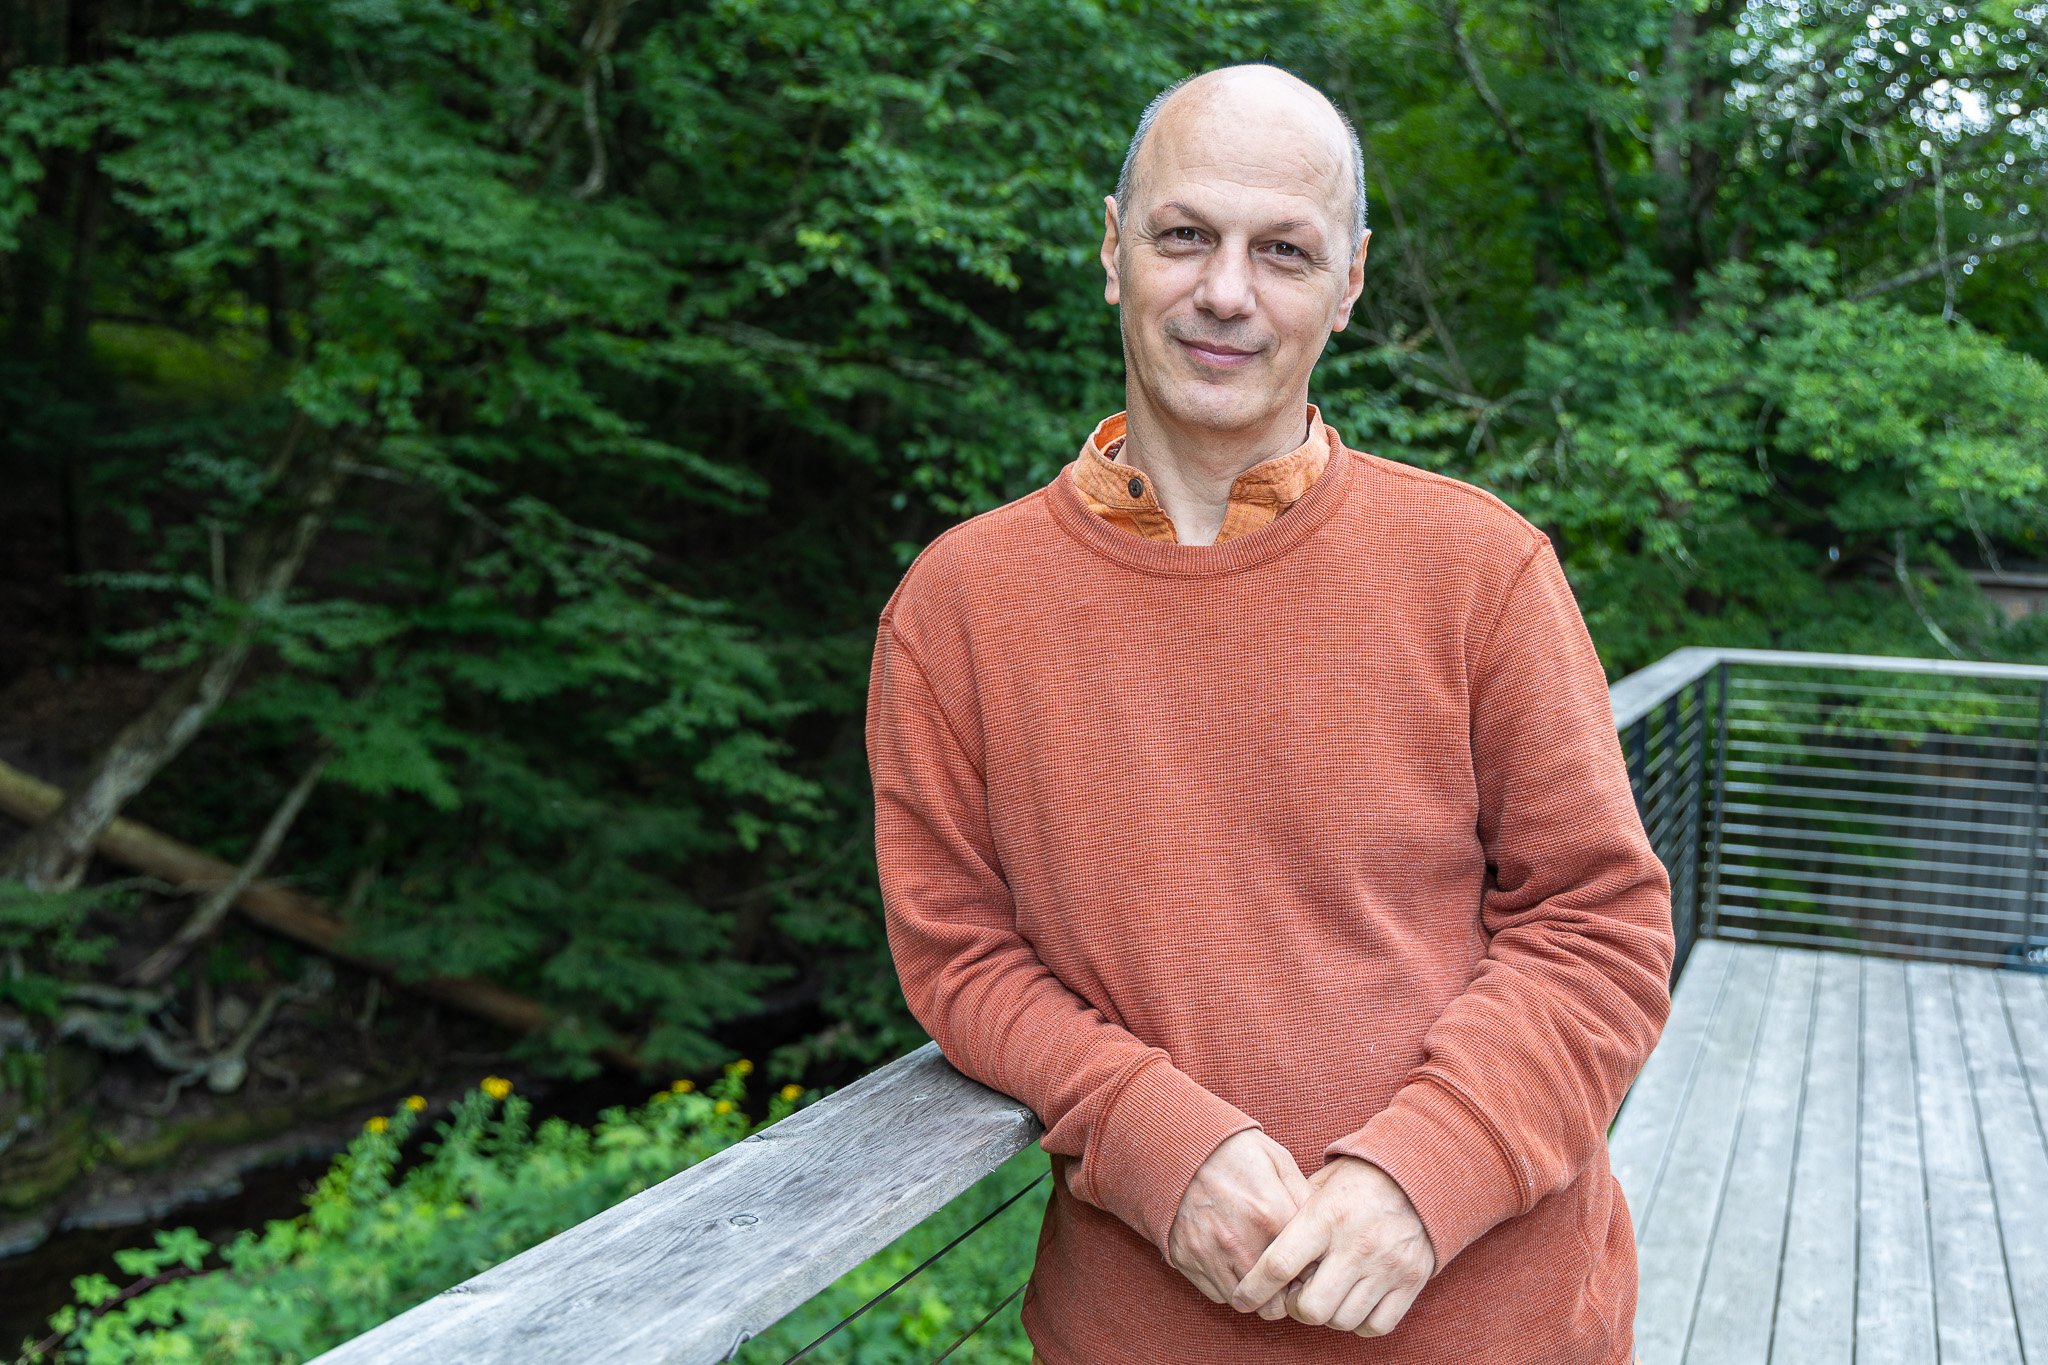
(279, 908)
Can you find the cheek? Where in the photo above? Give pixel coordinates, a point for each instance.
(1162, 286)
(1303, 321)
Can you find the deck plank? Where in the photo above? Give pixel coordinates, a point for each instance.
(1648, 1117)
(1842, 1159)
(1672, 1255)
(2015, 1148)
(1748, 1236)
(1894, 1277)
(1815, 1321)
(1973, 1305)
(2026, 1006)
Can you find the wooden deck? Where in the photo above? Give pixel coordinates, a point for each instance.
(1840, 1158)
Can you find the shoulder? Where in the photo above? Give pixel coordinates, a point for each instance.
(1432, 515)
(962, 565)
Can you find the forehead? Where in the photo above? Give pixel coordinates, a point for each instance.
(1246, 153)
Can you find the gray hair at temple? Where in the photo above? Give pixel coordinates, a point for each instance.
(1145, 120)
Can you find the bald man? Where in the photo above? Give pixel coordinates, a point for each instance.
(1246, 803)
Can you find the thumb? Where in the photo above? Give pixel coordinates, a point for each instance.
(1291, 1179)
(1298, 1188)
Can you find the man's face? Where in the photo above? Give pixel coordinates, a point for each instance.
(1235, 267)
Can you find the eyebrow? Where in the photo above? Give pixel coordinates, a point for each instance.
(1284, 225)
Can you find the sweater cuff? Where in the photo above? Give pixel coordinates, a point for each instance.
(1157, 1133)
(1445, 1158)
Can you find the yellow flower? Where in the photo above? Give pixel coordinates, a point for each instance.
(722, 1107)
(497, 1087)
(378, 1124)
(790, 1092)
(743, 1067)
(683, 1087)
(415, 1102)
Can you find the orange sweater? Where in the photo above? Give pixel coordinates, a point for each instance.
(1366, 792)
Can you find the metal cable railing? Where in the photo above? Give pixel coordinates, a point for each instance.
(1887, 811)
(985, 1320)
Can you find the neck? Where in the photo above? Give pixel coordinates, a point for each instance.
(1193, 468)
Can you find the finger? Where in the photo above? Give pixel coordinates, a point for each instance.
(1300, 1242)
(1281, 1304)
(1326, 1290)
(1292, 1294)
(1357, 1305)
(1387, 1316)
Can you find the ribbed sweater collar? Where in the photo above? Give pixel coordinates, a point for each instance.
(1174, 559)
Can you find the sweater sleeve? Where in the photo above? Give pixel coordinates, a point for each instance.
(1139, 1125)
(1524, 1070)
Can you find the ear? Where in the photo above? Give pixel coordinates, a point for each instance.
(1110, 234)
(1354, 283)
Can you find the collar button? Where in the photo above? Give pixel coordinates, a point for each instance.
(1137, 487)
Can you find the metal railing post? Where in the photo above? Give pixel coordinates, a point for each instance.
(2032, 898)
(1695, 760)
(1719, 817)
(1639, 765)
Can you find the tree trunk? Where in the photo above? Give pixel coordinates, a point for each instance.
(54, 854)
(75, 379)
(1677, 243)
(284, 909)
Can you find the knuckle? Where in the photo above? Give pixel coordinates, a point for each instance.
(1387, 1262)
(1269, 1219)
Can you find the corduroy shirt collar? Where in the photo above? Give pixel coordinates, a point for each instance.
(1257, 496)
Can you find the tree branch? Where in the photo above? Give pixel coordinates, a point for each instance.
(1454, 24)
(1943, 263)
(214, 908)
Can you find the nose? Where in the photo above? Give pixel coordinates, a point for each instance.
(1225, 288)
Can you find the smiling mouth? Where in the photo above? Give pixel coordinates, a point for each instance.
(1216, 357)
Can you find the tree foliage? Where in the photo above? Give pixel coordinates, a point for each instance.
(648, 341)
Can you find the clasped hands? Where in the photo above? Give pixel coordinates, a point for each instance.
(1342, 1248)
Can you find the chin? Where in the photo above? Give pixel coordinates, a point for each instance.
(1219, 412)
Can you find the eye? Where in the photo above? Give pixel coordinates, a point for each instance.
(1288, 249)
(1174, 234)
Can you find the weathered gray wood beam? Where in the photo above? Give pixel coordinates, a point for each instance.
(686, 1271)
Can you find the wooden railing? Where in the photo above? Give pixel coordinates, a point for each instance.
(694, 1267)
